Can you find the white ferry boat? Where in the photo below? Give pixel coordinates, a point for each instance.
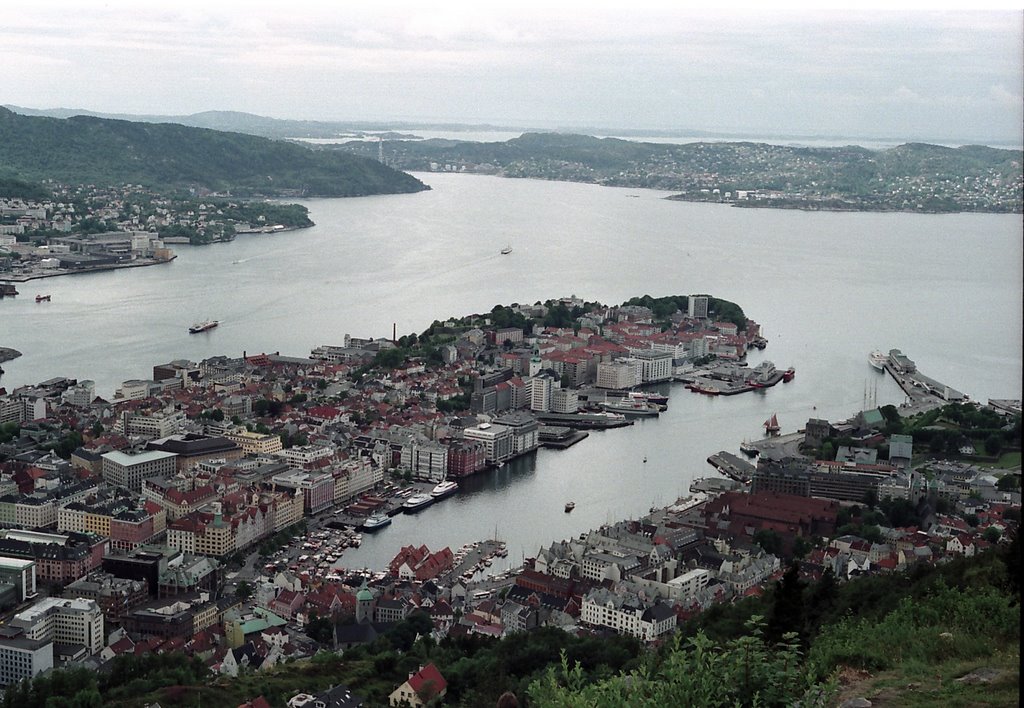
(444, 489)
(417, 502)
(376, 521)
(877, 359)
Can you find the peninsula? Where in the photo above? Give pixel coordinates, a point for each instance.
(914, 177)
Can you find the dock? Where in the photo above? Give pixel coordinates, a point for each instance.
(481, 551)
(560, 437)
(732, 466)
(923, 392)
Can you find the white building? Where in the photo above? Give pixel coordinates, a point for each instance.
(22, 658)
(565, 400)
(626, 614)
(305, 454)
(652, 365)
(496, 439)
(128, 471)
(133, 390)
(64, 622)
(616, 375)
(157, 425)
(21, 574)
(539, 391)
(426, 460)
(80, 395)
(525, 431)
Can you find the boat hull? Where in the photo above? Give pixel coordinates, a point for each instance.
(375, 524)
(415, 505)
(444, 492)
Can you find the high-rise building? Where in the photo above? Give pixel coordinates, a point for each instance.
(697, 306)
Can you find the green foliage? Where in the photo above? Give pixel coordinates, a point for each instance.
(70, 441)
(994, 444)
(128, 677)
(84, 149)
(769, 540)
(1009, 482)
(978, 620)
(18, 189)
(664, 307)
(9, 431)
(320, 629)
(266, 407)
(453, 404)
(746, 671)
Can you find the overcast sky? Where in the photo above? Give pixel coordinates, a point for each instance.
(952, 75)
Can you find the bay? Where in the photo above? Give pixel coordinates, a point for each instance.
(826, 287)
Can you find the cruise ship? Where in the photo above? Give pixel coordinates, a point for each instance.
(877, 359)
(444, 489)
(376, 521)
(630, 408)
(417, 502)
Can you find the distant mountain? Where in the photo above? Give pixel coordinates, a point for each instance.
(87, 149)
(252, 124)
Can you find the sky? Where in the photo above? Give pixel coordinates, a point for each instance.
(941, 72)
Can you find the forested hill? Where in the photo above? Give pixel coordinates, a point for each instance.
(910, 177)
(84, 149)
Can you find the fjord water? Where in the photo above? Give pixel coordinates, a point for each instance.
(826, 287)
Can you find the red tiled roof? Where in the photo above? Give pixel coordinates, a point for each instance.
(428, 682)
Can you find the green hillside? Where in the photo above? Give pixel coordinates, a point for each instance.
(88, 150)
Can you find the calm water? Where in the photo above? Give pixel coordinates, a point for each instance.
(827, 289)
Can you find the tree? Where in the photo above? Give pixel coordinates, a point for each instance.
(1008, 482)
(768, 540)
(828, 450)
(320, 629)
(801, 547)
(243, 591)
(994, 444)
(993, 534)
(787, 613)
(870, 498)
